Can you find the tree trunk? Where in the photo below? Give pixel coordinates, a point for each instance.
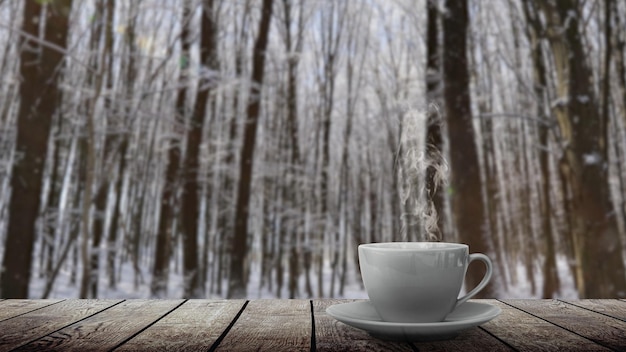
(297, 234)
(602, 262)
(434, 139)
(467, 185)
(130, 73)
(39, 98)
(103, 63)
(239, 249)
(190, 201)
(330, 36)
(599, 265)
(97, 196)
(551, 282)
(54, 202)
(620, 56)
(169, 202)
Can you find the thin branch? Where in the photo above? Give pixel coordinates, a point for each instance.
(519, 116)
(47, 45)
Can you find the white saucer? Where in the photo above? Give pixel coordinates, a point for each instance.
(363, 315)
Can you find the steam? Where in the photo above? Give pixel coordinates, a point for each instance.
(417, 161)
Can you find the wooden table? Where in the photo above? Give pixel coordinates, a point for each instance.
(291, 325)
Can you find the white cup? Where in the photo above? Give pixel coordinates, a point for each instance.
(417, 282)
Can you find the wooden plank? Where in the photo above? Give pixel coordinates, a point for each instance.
(271, 325)
(14, 307)
(474, 339)
(38, 323)
(591, 327)
(611, 307)
(194, 326)
(525, 332)
(107, 329)
(332, 335)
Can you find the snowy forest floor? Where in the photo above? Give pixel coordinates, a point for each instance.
(63, 288)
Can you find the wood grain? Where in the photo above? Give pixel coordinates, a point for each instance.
(287, 325)
(473, 339)
(106, 330)
(194, 326)
(267, 326)
(332, 335)
(526, 332)
(10, 308)
(612, 307)
(38, 323)
(607, 331)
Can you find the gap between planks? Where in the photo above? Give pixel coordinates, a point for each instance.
(25, 306)
(217, 344)
(313, 343)
(228, 328)
(602, 308)
(271, 325)
(148, 326)
(37, 324)
(552, 316)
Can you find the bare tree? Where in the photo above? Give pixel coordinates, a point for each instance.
(551, 284)
(237, 284)
(191, 163)
(295, 50)
(599, 271)
(171, 199)
(91, 256)
(469, 212)
(357, 48)
(39, 97)
(434, 133)
(330, 36)
(104, 77)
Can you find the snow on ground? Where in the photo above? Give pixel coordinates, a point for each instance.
(353, 289)
(523, 289)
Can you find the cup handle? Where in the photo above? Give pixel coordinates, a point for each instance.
(483, 258)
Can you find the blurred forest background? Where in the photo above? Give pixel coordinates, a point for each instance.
(217, 148)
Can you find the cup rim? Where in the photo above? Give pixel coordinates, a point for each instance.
(412, 246)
